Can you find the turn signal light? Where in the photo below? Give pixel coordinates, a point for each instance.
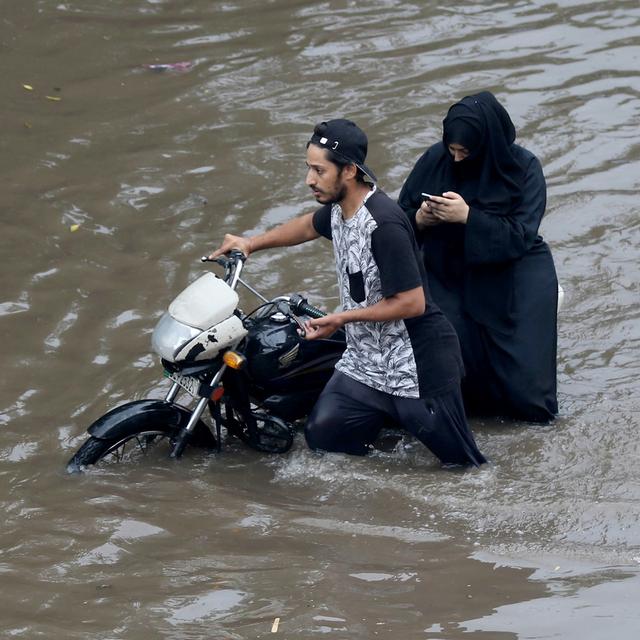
(234, 360)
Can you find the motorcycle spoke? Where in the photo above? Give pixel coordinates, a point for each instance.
(137, 443)
(143, 447)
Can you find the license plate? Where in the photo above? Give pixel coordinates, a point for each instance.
(188, 383)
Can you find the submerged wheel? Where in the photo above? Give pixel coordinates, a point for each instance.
(129, 431)
(128, 448)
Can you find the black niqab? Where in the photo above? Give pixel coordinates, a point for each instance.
(490, 178)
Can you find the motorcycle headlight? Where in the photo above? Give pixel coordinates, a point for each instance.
(170, 336)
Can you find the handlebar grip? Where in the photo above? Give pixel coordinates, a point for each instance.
(223, 261)
(234, 255)
(314, 312)
(299, 306)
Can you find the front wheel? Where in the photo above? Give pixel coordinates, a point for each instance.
(133, 429)
(128, 448)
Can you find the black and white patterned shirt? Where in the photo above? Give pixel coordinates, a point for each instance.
(377, 257)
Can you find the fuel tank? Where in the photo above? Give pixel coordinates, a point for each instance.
(281, 361)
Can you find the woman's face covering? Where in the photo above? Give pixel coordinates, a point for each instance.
(464, 129)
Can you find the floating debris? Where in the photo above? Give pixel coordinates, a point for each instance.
(169, 66)
(28, 87)
(275, 625)
(53, 98)
(74, 227)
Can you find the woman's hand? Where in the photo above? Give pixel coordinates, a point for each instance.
(450, 207)
(425, 217)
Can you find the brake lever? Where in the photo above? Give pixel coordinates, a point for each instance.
(285, 309)
(302, 332)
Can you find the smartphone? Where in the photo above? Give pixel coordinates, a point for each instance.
(426, 196)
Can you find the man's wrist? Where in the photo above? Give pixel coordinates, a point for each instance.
(254, 243)
(342, 317)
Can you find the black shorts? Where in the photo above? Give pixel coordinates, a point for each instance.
(349, 416)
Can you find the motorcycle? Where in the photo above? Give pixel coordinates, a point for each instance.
(255, 373)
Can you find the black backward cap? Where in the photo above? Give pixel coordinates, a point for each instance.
(346, 139)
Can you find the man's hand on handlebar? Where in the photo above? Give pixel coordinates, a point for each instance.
(231, 242)
(324, 327)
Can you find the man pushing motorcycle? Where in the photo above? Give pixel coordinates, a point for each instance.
(402, 364)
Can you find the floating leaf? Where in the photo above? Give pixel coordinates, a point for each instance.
(28, 87)
(54, 98)
(27, 125)
(74, 227)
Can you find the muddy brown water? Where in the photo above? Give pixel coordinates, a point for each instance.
(154, 167)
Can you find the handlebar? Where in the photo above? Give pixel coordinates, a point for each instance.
(300, 306)
(233, 263)
(234, 256)
(295, 306)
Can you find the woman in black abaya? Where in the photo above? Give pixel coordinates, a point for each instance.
(489, 270)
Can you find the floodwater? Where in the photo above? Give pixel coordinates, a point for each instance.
(116, 178)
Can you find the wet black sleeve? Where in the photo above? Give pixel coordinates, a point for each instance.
(493, 238)
(322, 221)
(410, 198)
(394, 250)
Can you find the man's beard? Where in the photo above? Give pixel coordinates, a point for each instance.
(341, 194)
(338, 196)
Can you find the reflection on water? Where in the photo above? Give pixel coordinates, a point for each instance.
(204, 608)
(117, 177)
(608, 606)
